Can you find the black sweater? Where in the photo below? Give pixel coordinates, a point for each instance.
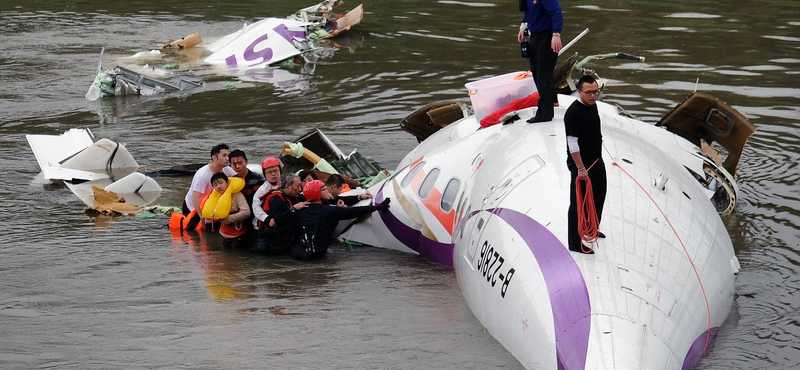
(328, 216)
(582, 121)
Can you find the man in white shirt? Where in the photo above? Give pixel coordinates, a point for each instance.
(201, 182)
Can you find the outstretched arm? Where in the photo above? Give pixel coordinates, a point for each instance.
(347, 213)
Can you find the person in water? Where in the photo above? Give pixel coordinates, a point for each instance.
(201, 182)
(543, 20)
(271, 168)
(334, 185)
(252, 182)
(305, 177)
(281, 206)
(233, 228)
(584, 157)
(319, 220)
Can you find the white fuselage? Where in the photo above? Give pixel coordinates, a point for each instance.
(493, 204)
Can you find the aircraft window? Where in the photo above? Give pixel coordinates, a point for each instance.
(449, 194)
(427, 184)
(411, 174)
(395, 173)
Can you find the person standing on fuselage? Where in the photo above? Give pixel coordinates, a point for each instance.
(584, 148)
(201, 182)
(543, 20)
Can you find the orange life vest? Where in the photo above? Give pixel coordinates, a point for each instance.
(265, 203)
(235, 229)
(180, 221)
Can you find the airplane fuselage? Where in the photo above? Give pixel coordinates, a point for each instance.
(493, 204)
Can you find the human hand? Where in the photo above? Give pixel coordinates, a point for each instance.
(583, 173)
(301, 205)
(383, 205)
(521, 35)
(340, 203)
(366, 195)
(271, 222)
(555, 43)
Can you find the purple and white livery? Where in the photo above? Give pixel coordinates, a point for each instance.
(493, 204)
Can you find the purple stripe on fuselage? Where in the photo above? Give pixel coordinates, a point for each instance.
(569, 296)
(696, 351)
(412, 238)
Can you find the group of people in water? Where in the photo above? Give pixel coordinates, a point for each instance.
(272, 213)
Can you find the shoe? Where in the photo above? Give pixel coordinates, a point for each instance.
(599, 235)
(535, 120)
(581, 249)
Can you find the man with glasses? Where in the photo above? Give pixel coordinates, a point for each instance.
(584, 156)
(271, 168)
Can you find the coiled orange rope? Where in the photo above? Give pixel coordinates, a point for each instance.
(587, 216)
(588, 222)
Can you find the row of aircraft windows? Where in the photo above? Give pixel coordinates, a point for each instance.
(450, 191)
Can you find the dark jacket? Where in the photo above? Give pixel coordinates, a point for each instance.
(284, 214)
(545, 15)
(348, 200)
(319, 221)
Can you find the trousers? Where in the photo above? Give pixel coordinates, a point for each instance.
(543, 62)
(597, 174)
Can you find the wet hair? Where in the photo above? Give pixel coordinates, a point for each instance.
(305, 173)
(335, 180)
(218, 148)
(238, 153)
(219, 175)
(288, 179)
(585, 80)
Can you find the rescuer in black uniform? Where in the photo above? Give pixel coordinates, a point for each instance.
(319, 220)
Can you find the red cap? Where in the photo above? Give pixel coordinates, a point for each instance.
(313, 190)
(270, 162)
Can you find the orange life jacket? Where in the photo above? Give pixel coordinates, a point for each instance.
(180, 221)
(265, 203)
(235, 229)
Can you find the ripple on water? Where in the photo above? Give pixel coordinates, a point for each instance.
(692, 15)
(731, 72)
(764, 67)
(675, 28)
(782, 38)
(466, 3)
(785, 60)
